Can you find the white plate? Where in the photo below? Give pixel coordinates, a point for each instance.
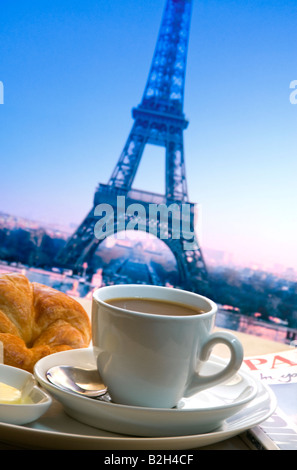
(201, 413)
(56, 430)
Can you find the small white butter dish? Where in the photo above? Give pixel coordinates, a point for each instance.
(21, 413)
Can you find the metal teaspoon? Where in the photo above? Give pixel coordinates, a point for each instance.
(86, 382)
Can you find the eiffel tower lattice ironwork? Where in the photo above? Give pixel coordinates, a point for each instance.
(158, 120)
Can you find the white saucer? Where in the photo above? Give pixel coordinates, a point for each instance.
(201, 413)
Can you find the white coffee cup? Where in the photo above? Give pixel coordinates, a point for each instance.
(154, 360)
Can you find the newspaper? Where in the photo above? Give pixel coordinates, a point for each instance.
(279, 371)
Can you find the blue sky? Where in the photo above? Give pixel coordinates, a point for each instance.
(73, 70)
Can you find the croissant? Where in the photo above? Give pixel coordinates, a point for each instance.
(37, 320)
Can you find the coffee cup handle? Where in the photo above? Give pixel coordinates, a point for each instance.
(201, 382)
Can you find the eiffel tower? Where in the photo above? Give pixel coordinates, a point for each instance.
(158, 120)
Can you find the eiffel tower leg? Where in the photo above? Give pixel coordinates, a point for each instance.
(190, 265)
(125, 170)
(81, 246)
(176, 186)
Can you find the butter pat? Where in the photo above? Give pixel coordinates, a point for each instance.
(9, 395)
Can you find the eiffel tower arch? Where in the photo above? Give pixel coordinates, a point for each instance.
(158, 120)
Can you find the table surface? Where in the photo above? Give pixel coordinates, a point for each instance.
(252, 345)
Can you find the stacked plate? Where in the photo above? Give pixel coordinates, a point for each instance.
(78, 422)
